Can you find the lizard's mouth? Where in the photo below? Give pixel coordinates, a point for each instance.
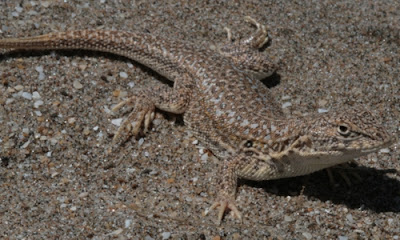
(376, 148)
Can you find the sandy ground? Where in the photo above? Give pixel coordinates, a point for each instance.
(57, 182)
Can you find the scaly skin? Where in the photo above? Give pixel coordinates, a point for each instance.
(226, 107)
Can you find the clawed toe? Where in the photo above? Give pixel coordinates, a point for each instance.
(228, 34)
(222, 206)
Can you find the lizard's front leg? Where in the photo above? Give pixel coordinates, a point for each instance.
(227, 193)
(141, 106)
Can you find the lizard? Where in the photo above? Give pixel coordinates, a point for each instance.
(226, 106)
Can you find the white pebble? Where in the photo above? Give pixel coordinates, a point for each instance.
(27, 95)
(38, 103)
(41, 76)
(116, 122)
(36, 95)
(141, 141)
(38, 113)
(322, 110)
(19, 9)
(117, 232)
(39, 69)
(71, 120)
(77, 85)
(131, 84)
(307, 235)
(19, 87)
(9, 100)
(45, 4)
(165, 235)
(286, 104)
(83, 194)
(128, 223)
(123, 74)
(287, 218)
(25, 145)
(385, 150)
(349, 218)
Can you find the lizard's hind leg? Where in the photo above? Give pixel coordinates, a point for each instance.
(245, 54)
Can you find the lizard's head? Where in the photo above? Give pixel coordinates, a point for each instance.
(348, 134)
(304, 145)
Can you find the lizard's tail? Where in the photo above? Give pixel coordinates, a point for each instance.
(141, 47)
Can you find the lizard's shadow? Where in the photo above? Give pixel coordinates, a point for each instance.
(376, 191)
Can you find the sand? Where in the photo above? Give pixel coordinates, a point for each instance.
(57, 182)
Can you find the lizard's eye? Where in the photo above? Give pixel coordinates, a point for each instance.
(343, 130)
(248, 144)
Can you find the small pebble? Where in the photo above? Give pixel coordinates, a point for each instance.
(131, 84)
(385, 150)
(83, 195)
(204, 157)
(19, 9)
(35, 95)
(45, 4)
(77, 85)
(116, 122)
(141, 141)
(10, 100)
(286, 104)
(123, 74)
(287, 219)
(71, 120)
(19, 87)
(27, 95)
(307, 235)
(165, 235)
(117, 232)
(349, 218)
(128, 223)
(37, 104)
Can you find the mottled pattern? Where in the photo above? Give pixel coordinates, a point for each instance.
(226, 106)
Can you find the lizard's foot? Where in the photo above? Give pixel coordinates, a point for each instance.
(260, 37)
(140, 114)
(223, 203)
(344, 175)
(245, 54)
(256, 40)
